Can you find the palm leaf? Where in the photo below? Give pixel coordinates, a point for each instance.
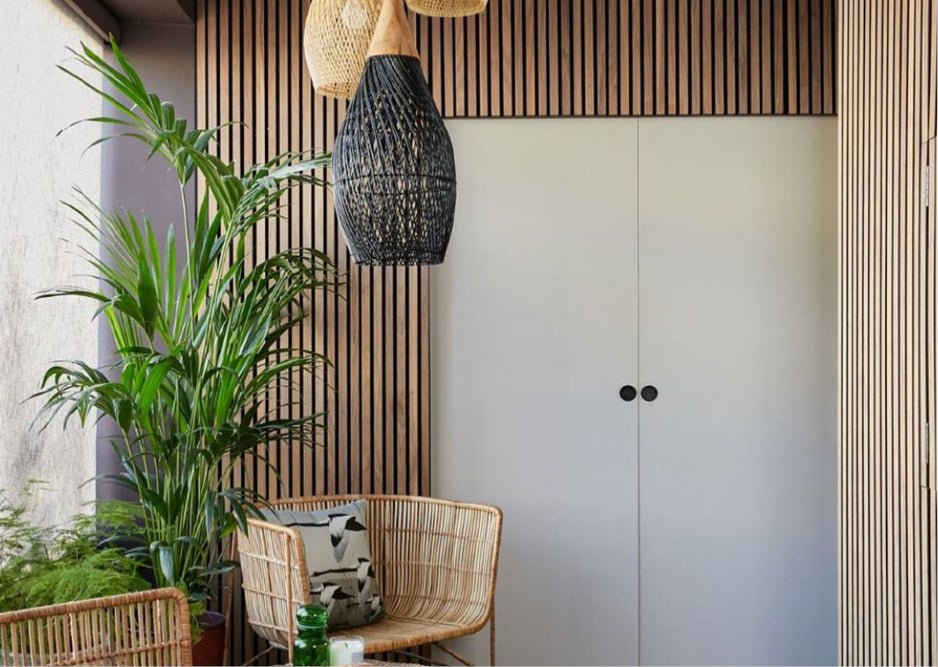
(198, 332)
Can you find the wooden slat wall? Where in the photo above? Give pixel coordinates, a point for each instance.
(519, 58)
(887, 529)
(250, 70)
(634, 58)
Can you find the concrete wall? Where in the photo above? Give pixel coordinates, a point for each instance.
(37, 170)
(164, 55)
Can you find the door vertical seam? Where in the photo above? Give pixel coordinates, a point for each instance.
(638, 368)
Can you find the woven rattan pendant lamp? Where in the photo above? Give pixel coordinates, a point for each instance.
(394, 178)
(447, 8)
(335, 41)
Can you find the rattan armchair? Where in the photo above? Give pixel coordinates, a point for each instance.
(147, 628)
(435, 561)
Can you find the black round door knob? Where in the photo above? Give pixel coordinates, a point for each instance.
(649, 393)
(628, 393)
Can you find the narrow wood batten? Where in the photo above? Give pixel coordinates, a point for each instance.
(887, 541)
(520, 58)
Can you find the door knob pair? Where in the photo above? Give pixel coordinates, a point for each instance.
(628, 393)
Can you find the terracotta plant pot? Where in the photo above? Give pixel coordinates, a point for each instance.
(210, 649)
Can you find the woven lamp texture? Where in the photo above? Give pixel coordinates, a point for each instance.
(336, 40)
(394, 175)
(447, 8)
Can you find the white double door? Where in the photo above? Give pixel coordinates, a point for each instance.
(695, 256)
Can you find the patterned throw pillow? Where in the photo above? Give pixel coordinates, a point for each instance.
(338, 555)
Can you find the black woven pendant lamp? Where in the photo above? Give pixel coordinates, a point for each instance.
(394, 177)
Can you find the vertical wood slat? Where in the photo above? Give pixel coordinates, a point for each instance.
(755, 56)
(682, 84)
(888, 74)
(706, 45)
(767, 38)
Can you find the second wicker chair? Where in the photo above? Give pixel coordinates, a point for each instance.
(435, 560)
(146, 628)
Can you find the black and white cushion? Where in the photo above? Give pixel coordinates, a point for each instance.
(338, 555)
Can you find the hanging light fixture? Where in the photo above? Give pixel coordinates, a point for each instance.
(447, 8)
(394, 177)
(335, 40)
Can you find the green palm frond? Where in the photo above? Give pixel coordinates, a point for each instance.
(199, 332)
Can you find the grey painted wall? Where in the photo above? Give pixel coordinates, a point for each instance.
(164, 55)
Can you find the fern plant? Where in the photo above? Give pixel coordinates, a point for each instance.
(199, 332)
(43, 565)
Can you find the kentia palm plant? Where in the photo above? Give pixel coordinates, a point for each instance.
(199, 332)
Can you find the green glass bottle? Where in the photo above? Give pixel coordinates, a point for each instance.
(312, 643)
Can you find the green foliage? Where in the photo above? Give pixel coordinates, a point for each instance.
(107, 572)
(22, 547)
(200, 332)
(47, 565)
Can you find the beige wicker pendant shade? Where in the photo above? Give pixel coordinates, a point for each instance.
(447, 8)
(336, 39)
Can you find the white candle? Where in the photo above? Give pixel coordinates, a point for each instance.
(339, 654)
(347, 650)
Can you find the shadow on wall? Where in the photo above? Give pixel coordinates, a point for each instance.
(164, 55)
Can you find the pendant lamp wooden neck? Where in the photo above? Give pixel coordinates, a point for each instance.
(392, 34)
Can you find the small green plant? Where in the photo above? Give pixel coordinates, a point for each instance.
(43, 565)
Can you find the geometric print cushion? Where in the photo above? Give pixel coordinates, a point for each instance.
(338, 555)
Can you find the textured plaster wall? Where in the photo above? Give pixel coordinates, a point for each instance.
(37, 170)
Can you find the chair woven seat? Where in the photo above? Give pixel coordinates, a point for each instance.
(435, 562)
(391, 634)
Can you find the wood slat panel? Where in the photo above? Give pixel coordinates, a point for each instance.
(250, 69)
(519, 58)
(632, 57)
(887, 546)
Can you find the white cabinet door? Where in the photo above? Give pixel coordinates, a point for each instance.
(534, 331)
(737, 332)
